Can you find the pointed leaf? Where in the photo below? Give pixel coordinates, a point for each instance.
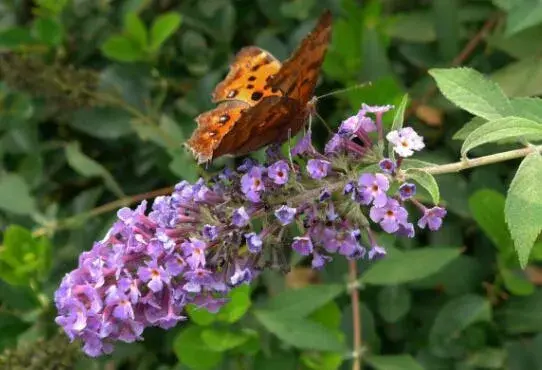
(15, 195)
(473, 92)
(487, 209)
(300, 333)
(499, 129)
(163, 27)
(88, 167)
(135, 29)
(301, 302)
(523, 209)
(409, 266)
(398, 121)
(394, 362)
(427, 181)
(393, 302)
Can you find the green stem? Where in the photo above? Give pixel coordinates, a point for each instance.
(482, 161)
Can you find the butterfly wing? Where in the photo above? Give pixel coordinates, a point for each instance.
(244, 87)
(247, 78)
(270, 121)
(298, 76)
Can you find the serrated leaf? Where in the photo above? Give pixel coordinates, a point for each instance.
(301, 302)
(409, 266)
(393, 302)
(487, 209)
(523, 209)
(15, 195)
(394, 362)
(499, 129)
(163, 27)
(135, 29)
(300, 333)
(88, 167)
(427, 181)
(468, 128)
(473, 92)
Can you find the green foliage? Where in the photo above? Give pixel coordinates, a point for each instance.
(97, 97)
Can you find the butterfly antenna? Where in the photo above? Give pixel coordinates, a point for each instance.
(346, 89)
(290, 149)
(324, 122)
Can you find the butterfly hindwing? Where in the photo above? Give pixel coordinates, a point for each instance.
(213, 125)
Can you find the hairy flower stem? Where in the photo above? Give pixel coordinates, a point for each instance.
(356, 317)
(482, 161)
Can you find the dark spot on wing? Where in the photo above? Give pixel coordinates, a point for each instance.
(252, 78)
(250, 86)
(256, 95)
(256, 67)
(224, 118)
(274, 90)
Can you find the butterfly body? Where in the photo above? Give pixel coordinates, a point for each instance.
(261, 101)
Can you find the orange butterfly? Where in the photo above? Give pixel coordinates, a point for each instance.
(261, 101)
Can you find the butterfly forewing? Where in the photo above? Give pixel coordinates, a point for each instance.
(298, 76)
(247, 78)
(262, 101)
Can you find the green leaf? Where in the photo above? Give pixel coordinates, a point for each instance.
(200, 316)
(427, 181)
(11, 326)
(88, 167)
(15, 195)
(301, 302)
(516, 282)
(394, 362)
(122, 49)
(522, 15)
(468, 128)
(103, 122)
(300, 333)
(487, 209)
(48, 31)
(237, 306)
(521, 315)
(15, 37)
(416, 26)
(136, 30)
(222, 340)
(328, 315)
(471, 91)
(393, 302)
(192, 350)
(446, 19)
(455, 317)
(487, 358)
(529, 108)
(521, 78)
(23, 257)
(499, 129)
(523, 209)
(398, 121)
(163, 27)
(400, 269)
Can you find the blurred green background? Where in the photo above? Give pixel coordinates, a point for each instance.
(97, 96)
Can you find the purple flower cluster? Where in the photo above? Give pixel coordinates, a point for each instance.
(193, 246)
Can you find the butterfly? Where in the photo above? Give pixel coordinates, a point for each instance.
(261, 101)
